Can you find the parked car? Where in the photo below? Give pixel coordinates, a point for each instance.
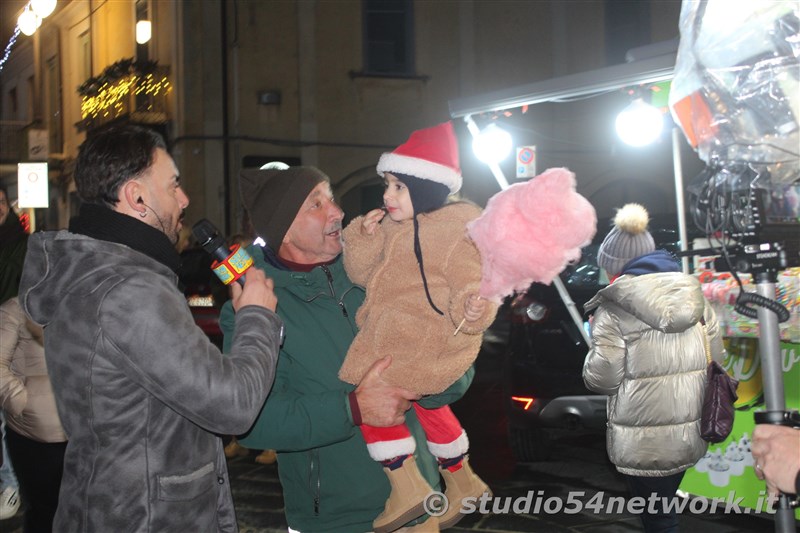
(542, 368)
(204, 292)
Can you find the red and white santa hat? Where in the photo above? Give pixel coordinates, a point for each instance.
(429, 154)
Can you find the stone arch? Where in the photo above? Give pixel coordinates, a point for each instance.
(359, 191)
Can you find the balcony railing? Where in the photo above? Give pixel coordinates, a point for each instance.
(138, 94)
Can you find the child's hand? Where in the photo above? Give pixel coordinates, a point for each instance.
(474, 308)
(371, 220)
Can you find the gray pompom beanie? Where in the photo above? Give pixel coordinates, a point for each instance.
(627, 240)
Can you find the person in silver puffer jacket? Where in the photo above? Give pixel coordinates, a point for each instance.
(648, 355)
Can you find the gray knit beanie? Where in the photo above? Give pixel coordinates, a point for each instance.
(273, 197)
(627, 240)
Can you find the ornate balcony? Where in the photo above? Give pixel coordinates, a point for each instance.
(128, 90)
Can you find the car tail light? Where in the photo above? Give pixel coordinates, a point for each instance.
(524, 402)
(527, 310)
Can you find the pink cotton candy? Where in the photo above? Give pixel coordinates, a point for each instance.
(530, 232)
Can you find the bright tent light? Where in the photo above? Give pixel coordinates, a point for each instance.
(143, 31)
(492, 144)
(42, 8)
(28, 22)
(639, 124)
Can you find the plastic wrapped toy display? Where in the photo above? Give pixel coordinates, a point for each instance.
(736, 89)
(736, 96)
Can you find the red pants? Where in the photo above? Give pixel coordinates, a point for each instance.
(444, 434)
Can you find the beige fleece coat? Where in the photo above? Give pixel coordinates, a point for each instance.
(25, 391)
(396, 318)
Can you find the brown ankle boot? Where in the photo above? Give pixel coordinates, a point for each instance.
(266, 457)
(234, 449)
(463, 483)
(407, 499)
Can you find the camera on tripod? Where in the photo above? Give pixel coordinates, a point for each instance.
(757, 220)
(735, 96)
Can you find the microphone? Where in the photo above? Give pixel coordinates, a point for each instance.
(229, 263)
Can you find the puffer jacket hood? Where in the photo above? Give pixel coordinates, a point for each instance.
(672, 301)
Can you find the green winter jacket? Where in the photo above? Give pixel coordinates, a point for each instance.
(330, 483)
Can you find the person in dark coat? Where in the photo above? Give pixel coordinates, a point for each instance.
(13, 243)
(141, 391)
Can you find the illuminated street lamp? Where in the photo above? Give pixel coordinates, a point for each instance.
(31, 17)
(42, 8)
(28, 22)
(143, 31)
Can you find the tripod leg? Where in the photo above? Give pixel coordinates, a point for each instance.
(772, 380)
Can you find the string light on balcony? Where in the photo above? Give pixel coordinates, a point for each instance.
(110, 98)
(151, 87)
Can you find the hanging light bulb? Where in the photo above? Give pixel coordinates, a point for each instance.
(28, 22)
(143, 31)
(42, 8)
(639, 124)
(492, 144)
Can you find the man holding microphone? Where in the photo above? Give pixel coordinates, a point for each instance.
(141, 391)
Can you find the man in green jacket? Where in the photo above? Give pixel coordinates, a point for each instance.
(311, 418)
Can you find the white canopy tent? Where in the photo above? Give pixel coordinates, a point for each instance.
(658, 67)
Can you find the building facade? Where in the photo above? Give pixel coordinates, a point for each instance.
(330, 83)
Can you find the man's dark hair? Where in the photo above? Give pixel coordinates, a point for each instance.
(108, 159)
